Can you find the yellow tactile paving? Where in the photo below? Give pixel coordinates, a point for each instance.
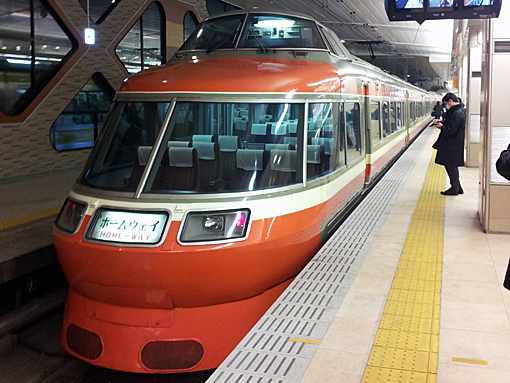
(407, 341)
(28, 218)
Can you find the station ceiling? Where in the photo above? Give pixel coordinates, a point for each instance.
(419, 53)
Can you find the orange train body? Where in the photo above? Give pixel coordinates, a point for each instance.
(225, 250)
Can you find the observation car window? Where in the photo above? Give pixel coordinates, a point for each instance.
(325, 147)
(354, 135)
(375, 119)
(268, 32)
(217, 33)
(223, 147)
(118, 160)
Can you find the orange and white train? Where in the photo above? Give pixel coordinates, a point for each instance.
(215, 180)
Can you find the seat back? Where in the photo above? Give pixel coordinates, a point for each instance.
(250, 164)
(259, 133)
(315, 161)
(278, 131)
(282, 168)
(182, 172)
(228, 149)
(143, 153)
(210, 164)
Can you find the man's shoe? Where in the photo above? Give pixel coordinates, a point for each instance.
(449, 192)
(461, 191)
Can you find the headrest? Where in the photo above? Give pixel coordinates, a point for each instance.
(202, 138)
(250, 159)
(258, 129)
(240, 123)
(143, 154)
(205, 150)
(228, 143)
(292, 127)
(313, 154)
(278, 129)
(283, 160)
(276, 146)
(181, 157)
(174, 144)
(181, 117)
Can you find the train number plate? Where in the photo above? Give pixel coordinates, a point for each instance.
(127, 227)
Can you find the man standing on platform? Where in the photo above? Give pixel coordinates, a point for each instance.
(450, 143)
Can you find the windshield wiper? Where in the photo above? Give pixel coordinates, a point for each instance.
(263, 48)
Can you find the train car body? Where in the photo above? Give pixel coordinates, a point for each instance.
(216, 179)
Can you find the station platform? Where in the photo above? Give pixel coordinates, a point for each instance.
(28, 208)
(409, 289)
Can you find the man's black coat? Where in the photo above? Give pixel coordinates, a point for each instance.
(450, 143)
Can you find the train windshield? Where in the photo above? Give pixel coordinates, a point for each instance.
(262, 32)
(206, 147)
(276, 31)
(130, 128)
(218, 33)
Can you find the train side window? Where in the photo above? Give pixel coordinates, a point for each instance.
(386, 119)
(354, 135)
(393, 115)
(323, 136)
(400, 124)
(375, 122)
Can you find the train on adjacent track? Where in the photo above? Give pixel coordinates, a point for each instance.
(216, 178)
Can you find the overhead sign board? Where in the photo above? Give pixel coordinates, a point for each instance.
(421, 10)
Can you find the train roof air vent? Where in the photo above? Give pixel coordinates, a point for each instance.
(300, 54)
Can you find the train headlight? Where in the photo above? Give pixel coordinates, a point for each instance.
(214, 226)
(70, 216)
(213, 222)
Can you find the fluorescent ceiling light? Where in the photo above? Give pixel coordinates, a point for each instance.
(275, 23)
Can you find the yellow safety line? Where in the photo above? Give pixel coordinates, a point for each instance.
(407, 341)
(304, 341)
(28, 218)
(472, 361)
